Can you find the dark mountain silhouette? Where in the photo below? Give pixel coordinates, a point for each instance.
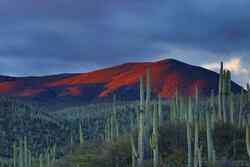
(167, 76)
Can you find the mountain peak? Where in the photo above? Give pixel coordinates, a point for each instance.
(168, 75)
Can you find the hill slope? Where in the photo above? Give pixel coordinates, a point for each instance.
(167, 76)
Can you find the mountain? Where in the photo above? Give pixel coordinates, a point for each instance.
(167, 76)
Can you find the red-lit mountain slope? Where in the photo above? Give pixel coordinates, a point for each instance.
(167, 76)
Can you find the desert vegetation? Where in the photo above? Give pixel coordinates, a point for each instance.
(181, 131)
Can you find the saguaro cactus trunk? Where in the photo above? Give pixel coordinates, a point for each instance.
(189, 142)
(221, 78)
(211, 156)
(196, 144)
(154, 138)
(160, 110)
(142, 93)
(134, 152)
(81, 134)
(248, 140)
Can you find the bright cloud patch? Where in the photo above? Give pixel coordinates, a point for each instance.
(234, 65)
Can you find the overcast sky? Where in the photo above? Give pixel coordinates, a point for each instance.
(40, 37)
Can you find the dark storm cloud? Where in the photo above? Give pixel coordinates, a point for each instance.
(42, 37)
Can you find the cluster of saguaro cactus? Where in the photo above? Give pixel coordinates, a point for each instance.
(148, 126)
(195, 112)
(138, 154)
(192, 120)
(47, 159)
(112, 129)
(211, 154)
(224, 93)
(22, 156)
(184, 110)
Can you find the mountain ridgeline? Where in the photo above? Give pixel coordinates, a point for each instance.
(193, 128)
(167, 76)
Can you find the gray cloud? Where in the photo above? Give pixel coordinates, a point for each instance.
(43, 37)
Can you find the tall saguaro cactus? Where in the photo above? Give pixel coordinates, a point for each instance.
(248, 140)
(224, 93)
(148, 113)
(232, 109)
(211, 156)
(221, 79)
(160, 110)
(14, 155)
(81, 134)
(189, 122)
(142, 93)
(212, 109)
(154, 138)
(115, 124)
(241, 108)
(21, 163)
(189, 142)
(224, 96)
(196, 144)
(141, 127)
(141, 139)
(41, 160)
(148, 88)
(25, 144)
(134, 152)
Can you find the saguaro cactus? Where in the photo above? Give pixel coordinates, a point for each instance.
(177, 106)
(221, 79)
(210, 147)
(148, 113)
(232, 109)
(196, 111)
(212, 109)
(14, 155)
(41, 160)
(115, 127)
(189, 142)
(141, 139)
(134, 152)
(189, 132)
(224, 88)
(248, 92)
(190, 111)
(81, 134)
(241, 108)
(148, 87)
(25, 144)
(248, 140)
(154, 138)
(200, 156)
(196, 143)
(160, 110)
(21, 163)
(209, 142)
(142, 93)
